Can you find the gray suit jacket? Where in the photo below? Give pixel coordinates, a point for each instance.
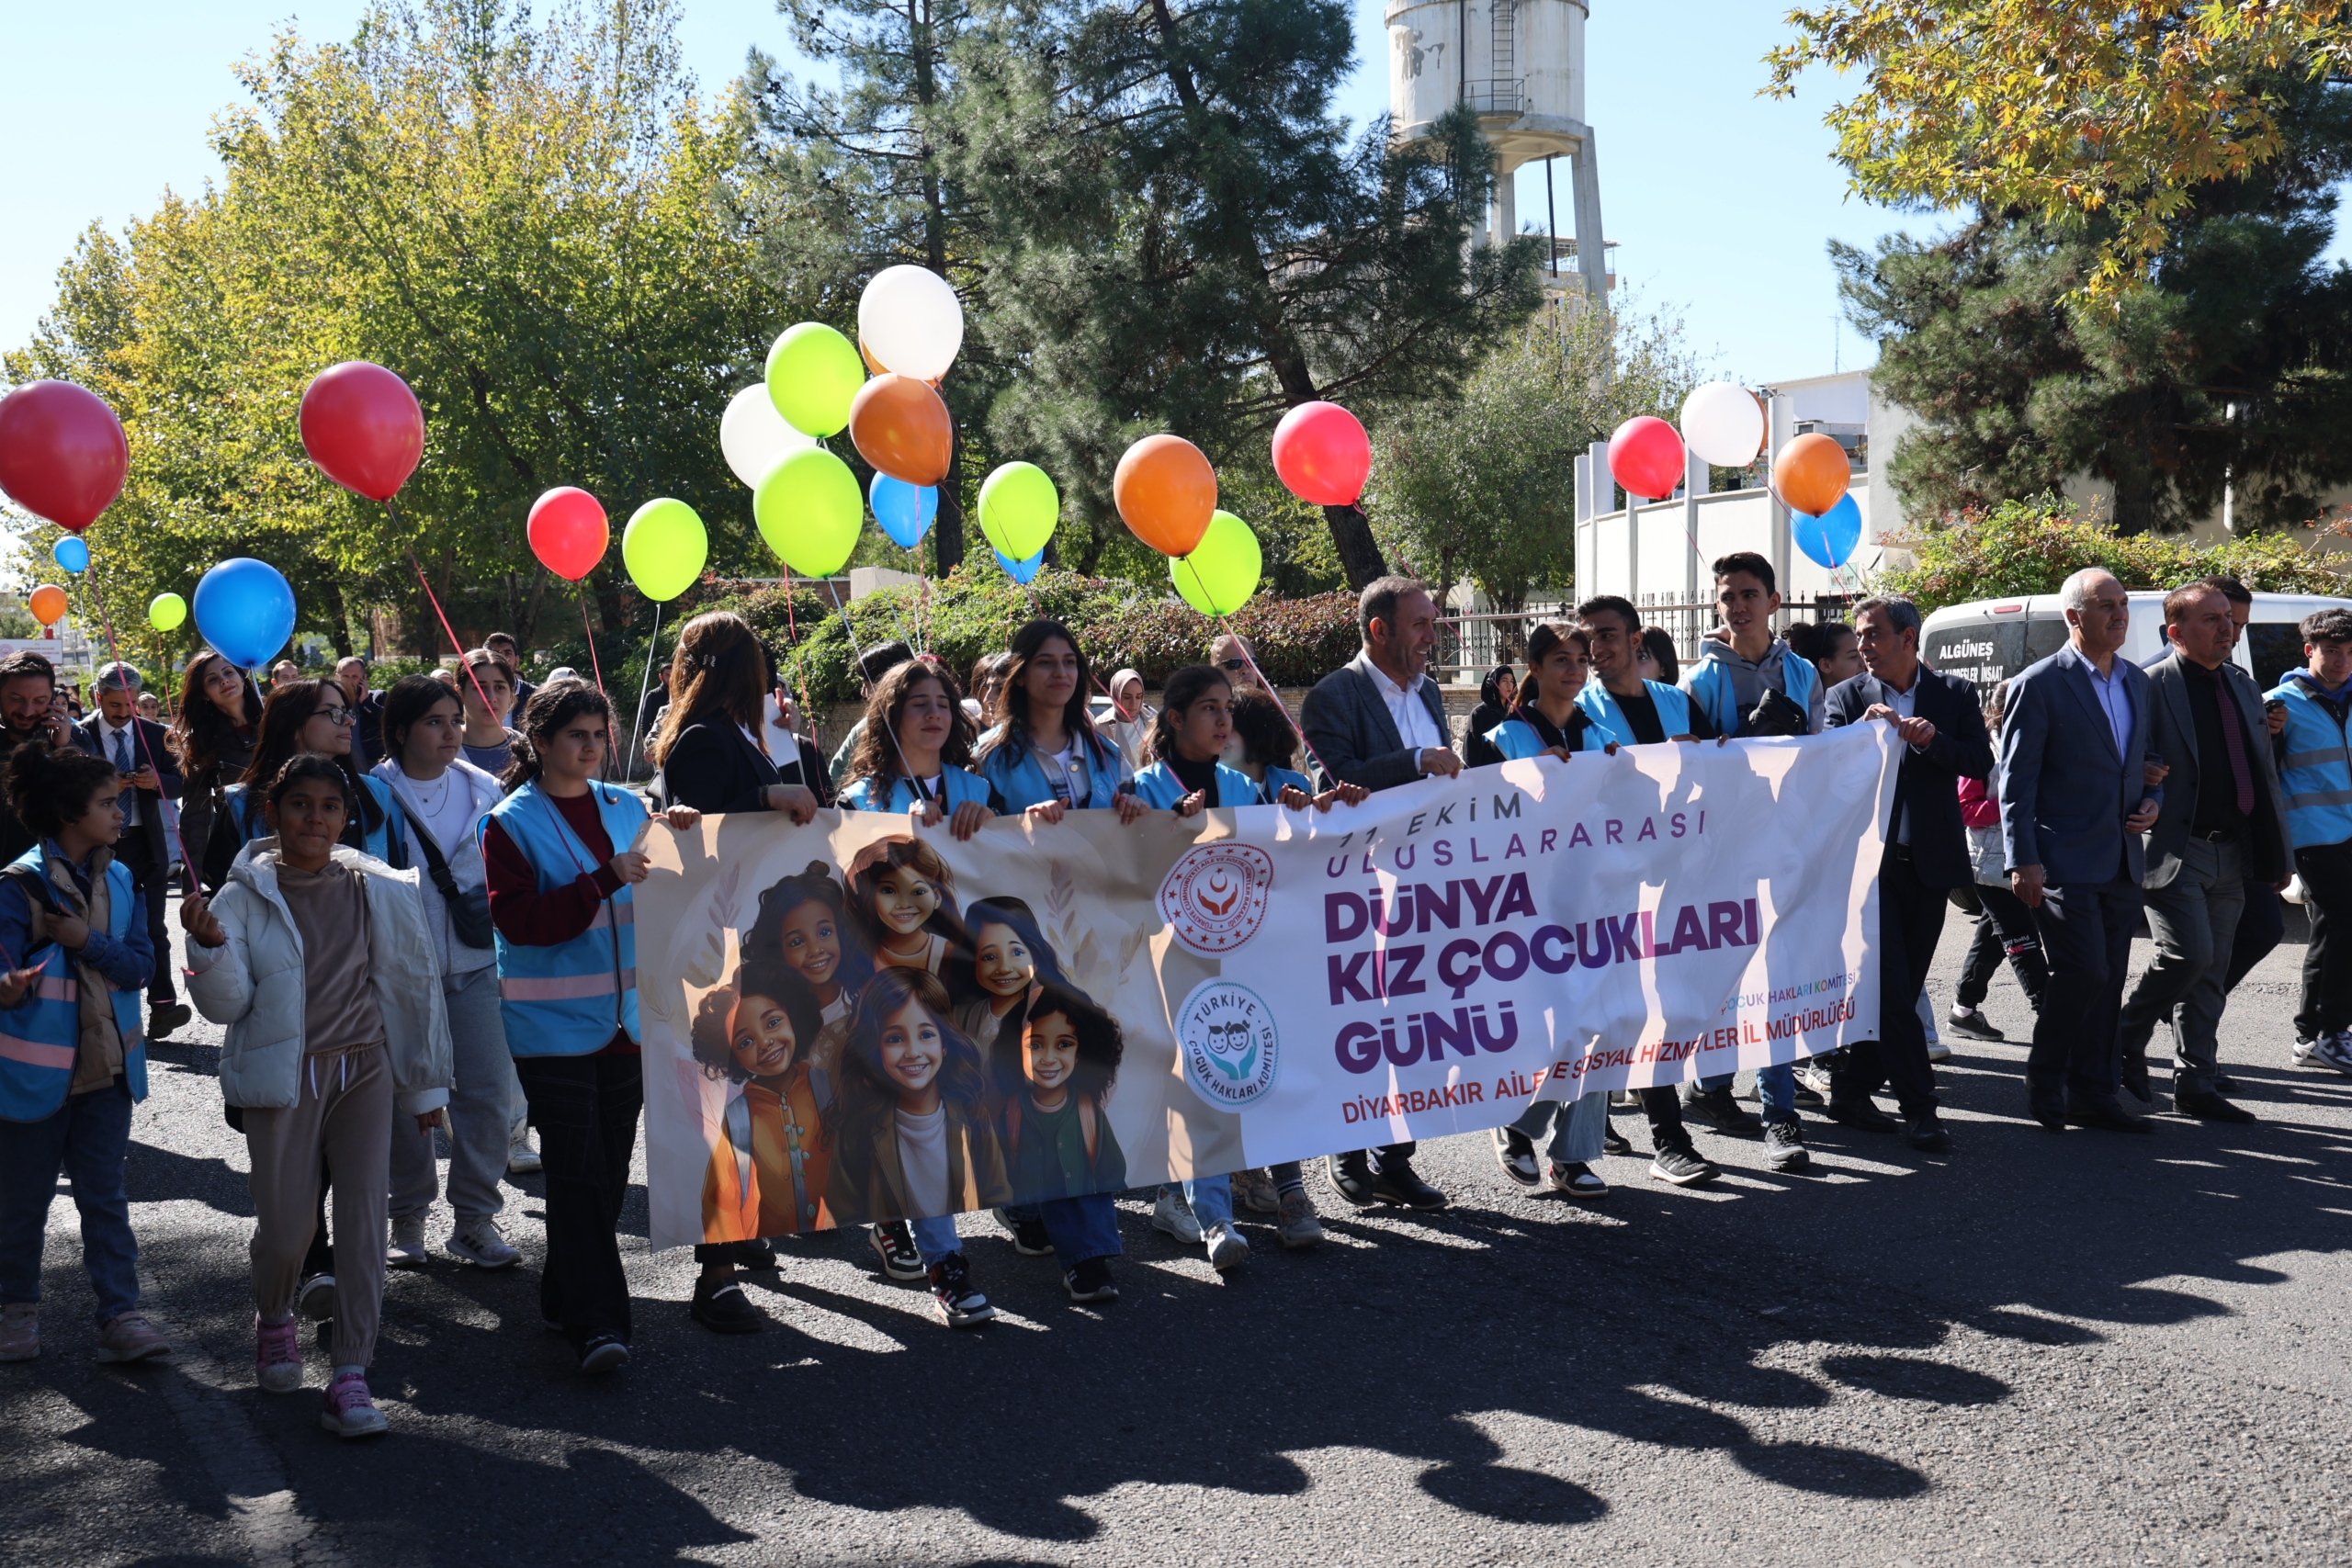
(2065, 792)
(2174, 739)
(1352, 734)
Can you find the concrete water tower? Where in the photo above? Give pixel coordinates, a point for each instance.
(1520, 66)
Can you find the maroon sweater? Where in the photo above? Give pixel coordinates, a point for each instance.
(529, 917)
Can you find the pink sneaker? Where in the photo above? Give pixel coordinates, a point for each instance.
(277, 1356)
(129, 1336)
(350, 1410)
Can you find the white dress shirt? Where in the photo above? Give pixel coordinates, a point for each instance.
(1414, 725)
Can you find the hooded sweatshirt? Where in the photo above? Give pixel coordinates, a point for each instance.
(1749, 680)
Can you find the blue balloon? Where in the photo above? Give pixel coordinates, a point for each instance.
(1829, 538)
(1021, 571)
(904, 511)
(244, 608)
(71, 554)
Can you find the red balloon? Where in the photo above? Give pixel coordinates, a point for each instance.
(363, 428)
(1646, 456)
(569, 532)
(1322, 454)
(62, 454)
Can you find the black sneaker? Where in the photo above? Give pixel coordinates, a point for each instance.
(1784, 1144)
(1973, 1024)
(604, 1353)
(953, 1297)
(1351, 1173)
(1516, 1153)
(1394, 1183)
(722, 1308)
(1861, 1115)
(1926, 1134)
(1718, 1109)
(164, 1016)
(1028, 1232)
(1612, 1141)
(1683, 1168)
(1576, 1179)
(894, 1244)
(1090, 1281)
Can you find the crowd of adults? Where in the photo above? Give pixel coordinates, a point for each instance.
(329, 844)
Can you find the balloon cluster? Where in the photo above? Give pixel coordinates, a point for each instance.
(1723, 425)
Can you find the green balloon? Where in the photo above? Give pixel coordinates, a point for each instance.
(813, 372)
(1221, 573)
(809, 511)
(166, 611)
(1018, 510)
(664, 548)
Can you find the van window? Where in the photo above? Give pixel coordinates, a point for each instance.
(1983, 650)
(2274, 648)
(2045, 634)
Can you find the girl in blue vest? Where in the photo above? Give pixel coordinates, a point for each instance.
(561, 857)
(1194, 722)
(914, 751)
(305, 716)
(1546, 720)
(72, 1062)
(1269, 745)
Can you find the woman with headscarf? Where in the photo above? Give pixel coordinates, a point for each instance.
(1497, 694)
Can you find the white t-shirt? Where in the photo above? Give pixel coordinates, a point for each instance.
(445, 808)
(923, 1155)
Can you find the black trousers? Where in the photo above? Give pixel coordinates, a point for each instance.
(2326, 871)
(2261, 925)
(585, 1109)
(1663, 1105)
(138, 857)
(1910, 919)
(2005, 929)
(2077, 1038)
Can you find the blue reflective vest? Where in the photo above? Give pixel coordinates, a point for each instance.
(388, 842)
(957, 786)
(1608, 721)
(572, 997)
(1270, 793)
(2317, 778)
(1710, 687)
(1159, 786)
(1019, 777)
(1517, 739)
(39, 1034)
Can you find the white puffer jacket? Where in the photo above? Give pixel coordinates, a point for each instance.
(255, 983)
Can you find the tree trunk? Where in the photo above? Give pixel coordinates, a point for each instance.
(1360, 555)
(948, 528)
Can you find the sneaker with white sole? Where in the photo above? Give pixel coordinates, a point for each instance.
(479, 1242)
(407, 1247)
(1515, 1151)
(953, 1297)
(604, 1353)
(522, 1159)
(2332, 1050)
(1297, 1223)
(1255, 1191)
(1172, 1215)
(1228, 1247)
(277, 1356)
(894, 1244)
(314, 1297)
(128, 1336)
(349, 1410)
(19, 1331)
(1576, 1179)
(1682, 1167)
(1784, 1144)
(1938, 1051)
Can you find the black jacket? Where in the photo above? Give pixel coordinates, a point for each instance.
(1927, 790)
(713, 768)
(147, 746)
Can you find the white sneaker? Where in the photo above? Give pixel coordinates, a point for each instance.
(522, 1159)
(1175, 1215)
(477, 1242)
(314, 1297)
(1227, 1247)
(2332, 1050)
(1938, 1051)
(407, 1249)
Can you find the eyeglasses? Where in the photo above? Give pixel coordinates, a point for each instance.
(334, 715)
(1233, 664)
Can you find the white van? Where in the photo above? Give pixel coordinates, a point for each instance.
(1991, 639)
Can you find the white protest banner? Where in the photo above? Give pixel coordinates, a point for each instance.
(1094, 1005)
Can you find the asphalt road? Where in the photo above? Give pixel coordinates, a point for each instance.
(2081, 1349)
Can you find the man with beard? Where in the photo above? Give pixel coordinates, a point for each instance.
(27, 682)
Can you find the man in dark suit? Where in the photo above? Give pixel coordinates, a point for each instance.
(1926, 856)
(2077, 794)
(135, 746)
(2222, 826)
(1378, 721)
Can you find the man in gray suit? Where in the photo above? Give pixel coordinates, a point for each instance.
(2222, 824)
(2075, 796)
(1378, 721)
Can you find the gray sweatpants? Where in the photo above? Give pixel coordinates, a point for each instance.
(345, 1113)
(481, 1108)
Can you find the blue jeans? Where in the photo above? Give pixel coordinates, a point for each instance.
(935, 1238)
(1083, 1227)
(1574, 1127)
(87, 1137)
(1776, 1086)
(1211, 1197)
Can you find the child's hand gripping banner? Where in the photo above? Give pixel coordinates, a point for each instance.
(864, 1020)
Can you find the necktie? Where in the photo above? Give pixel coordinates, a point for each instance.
(122, 753)
(2233, 743)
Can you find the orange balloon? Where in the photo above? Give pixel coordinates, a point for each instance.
(873, 365)
(48, 603)
(1166, 493)
(1810, 473)
(900, 426)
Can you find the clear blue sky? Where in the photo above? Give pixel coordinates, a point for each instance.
(1720, 201)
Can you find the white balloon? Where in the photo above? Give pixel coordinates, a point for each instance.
(1723, 424)
(911, 321)
(753, 435)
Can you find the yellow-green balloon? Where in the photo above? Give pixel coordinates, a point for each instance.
(813, 373)
(664, 548)
(166, 611)
(809, 511)
(1019, 509)
(1221, 573)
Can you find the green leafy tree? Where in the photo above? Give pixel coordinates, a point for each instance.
(1177, 235)
(1474, 488)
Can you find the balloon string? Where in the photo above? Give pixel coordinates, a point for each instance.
(850, 631)
(434, 601)
(652, 648)
(137, 726)
(593, 665)
(1241, 642)
(792, 641)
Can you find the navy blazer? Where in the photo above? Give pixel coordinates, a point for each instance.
(2065, 792)
(1352, 734)
(89, 736)
(1926, 787)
